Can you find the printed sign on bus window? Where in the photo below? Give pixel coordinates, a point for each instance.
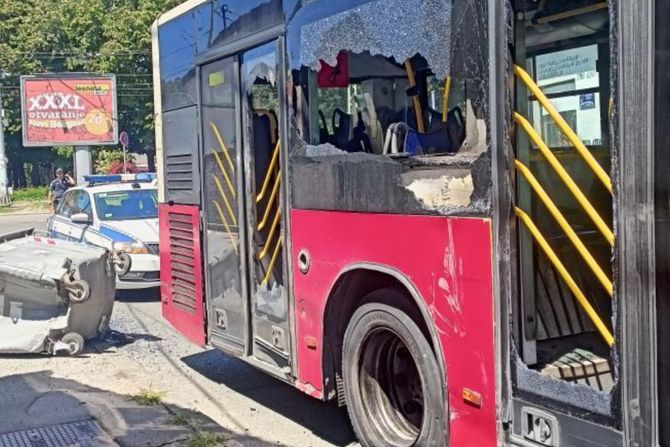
(587, 101)
(68, 110)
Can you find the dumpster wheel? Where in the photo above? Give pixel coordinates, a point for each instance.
(122, 263)
(74, 342)
(78, 291)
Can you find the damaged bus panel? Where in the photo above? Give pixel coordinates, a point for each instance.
(418, 208)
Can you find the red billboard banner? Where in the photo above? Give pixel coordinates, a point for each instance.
(69, 110)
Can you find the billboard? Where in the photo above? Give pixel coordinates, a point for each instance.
(69, 109)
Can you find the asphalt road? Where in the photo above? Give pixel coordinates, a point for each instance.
(12, 222)
(143, 350)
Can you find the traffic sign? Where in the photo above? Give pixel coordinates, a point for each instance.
(124, 139)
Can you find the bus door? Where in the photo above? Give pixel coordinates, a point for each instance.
(242, 206)
(222, 205)
(564, 327)
(265, 207)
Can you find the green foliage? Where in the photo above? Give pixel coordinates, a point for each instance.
(99, 36)
(105, 158)
(148, 397)
(34, 194)
(180, 419)
(204, 439)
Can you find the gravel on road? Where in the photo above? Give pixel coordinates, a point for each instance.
(142, 351)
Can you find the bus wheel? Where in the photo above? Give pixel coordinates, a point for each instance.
(391, 380)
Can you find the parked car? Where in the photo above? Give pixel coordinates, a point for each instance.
(117, 212)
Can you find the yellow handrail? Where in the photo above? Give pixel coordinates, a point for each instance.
(565, 177)
(223, 146)
(271, 234)
(445, 99)
(275, 190)
(563, 223)
(272, 261)
(225, 199)
(565, 128)
(224, 173)
(266, 181)
(572, 285)
(225, 224)
(418, 113)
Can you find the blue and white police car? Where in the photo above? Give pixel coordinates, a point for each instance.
(117, 212)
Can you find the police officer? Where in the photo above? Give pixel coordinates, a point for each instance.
(58, 186)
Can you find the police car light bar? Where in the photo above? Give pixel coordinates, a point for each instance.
(145, 177)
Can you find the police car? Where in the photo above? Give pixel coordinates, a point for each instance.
(117, 212)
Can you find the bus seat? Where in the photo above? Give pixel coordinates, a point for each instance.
(434, 119)
(342, 128)
(262, 141)
(274, 126)
(446, 139)
(373, 127)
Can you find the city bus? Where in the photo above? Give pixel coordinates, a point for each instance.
(448, 216)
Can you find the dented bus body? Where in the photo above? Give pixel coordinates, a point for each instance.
(420, 208)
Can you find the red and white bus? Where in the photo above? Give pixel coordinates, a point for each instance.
(451, 216)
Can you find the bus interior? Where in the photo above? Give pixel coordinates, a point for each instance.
(563, 325)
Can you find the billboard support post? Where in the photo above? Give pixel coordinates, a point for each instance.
(4, 193)
(83, 163)
(124, 140)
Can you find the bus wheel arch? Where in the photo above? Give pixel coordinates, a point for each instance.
(350, 292)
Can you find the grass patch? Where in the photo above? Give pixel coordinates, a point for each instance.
(25, 207)
(206, 440)
(148, 398)
(180, 419)
(33, 194)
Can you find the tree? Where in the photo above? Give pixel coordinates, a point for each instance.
(99, 36)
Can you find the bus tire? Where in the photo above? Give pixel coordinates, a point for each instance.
(382, 343)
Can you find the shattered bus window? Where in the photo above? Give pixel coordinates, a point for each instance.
(377, 90)
(373, 83)
(375, 104)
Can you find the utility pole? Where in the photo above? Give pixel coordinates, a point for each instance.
(4, 193)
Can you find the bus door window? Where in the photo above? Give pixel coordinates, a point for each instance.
(262, 151)
(221, 174)
(565, 52)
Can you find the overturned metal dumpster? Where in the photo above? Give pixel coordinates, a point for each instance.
(54, 295)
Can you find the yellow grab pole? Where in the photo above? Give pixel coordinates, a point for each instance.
(225, 200)
(418, 113)
(445, 99)
(225, 224)
(266, 182)
(275, 190)
(275, 224)
(563, 223)
(565, 177)
(610, 106)
(224, 173)
(572, 285)
(565, 128)
(272, 261)
(223, 146)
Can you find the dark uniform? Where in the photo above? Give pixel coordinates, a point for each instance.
(58, 188)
